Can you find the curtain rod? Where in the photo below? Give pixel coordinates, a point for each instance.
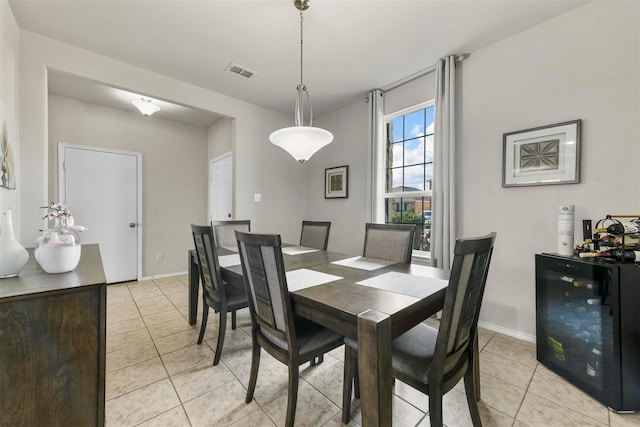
(421, 73)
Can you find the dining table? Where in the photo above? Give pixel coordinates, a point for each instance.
(371, 301)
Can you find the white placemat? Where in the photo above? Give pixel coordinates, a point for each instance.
(406, 284)
(297, 250)
(363, 263)
(229, 260)
(305, 278)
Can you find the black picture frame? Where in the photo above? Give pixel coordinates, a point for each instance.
(336, 182)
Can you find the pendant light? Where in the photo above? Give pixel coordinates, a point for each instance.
(301, 141)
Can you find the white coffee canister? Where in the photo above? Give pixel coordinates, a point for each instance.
(566, 214)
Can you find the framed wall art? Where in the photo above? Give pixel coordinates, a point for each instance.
(8, 117)
(544, 155)
(336, 182)
(7, 166)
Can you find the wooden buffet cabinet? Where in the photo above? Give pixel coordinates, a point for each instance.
(52, 345)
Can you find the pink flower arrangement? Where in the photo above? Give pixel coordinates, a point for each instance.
(57, 210)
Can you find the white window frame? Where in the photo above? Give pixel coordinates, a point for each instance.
(381, 195)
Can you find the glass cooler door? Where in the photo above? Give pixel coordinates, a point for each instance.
(575, 324)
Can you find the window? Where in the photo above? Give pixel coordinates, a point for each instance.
(408, 172)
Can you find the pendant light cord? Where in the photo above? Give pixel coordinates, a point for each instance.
(301, 44)
(302, 89)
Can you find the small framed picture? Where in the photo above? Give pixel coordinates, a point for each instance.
(544, 155)
(336, 182)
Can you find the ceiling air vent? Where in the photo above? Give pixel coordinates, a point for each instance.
(239, 70)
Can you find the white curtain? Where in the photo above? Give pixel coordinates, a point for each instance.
(444, 152)
(376, 138)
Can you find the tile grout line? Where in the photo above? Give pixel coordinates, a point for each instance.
(526, 391)
(213, 350)
(538, 365)
(184, 410)
(161, 361)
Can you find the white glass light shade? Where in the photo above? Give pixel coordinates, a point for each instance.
(145, 106)
(301, 141)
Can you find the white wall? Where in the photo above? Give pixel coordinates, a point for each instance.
(347, 216)
(9, 77)
(580, 65)
(220, 137)
(410, 94)
(174, 171)
(583, 64)
(259, 166)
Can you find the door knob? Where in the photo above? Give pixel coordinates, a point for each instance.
(132, 224)
(228, 215)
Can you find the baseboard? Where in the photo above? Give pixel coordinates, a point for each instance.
(162, 276)
(508, 332)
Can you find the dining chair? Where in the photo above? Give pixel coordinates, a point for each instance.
(220, 296)
(287, 337)
(315, 234)
(391, 242)
(224, 232)
(434, 360)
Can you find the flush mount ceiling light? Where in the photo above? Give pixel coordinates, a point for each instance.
(301, 141)
(146, 106)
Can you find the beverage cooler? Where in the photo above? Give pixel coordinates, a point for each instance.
(588, 326)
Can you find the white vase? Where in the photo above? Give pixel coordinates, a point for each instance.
(59, 249)
(13, 256)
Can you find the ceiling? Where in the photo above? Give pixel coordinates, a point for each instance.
(350, 46)
(98, 93)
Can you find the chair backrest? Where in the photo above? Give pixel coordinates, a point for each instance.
(463, 299)
(315, 234)
(225, 232)
(392, 242)
(266, 287)
(208, 264)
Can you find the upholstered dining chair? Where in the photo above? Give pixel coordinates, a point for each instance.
(434, 360)
(290, 339)
(315, 234)
(391, 242)
(222, 297)
(225, 232)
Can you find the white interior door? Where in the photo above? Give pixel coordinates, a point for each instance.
(101, 188)
(221, 188)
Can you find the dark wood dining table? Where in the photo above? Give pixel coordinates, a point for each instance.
(369, 314)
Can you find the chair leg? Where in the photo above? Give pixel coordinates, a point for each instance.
(348, 378)
(470, 387)
(233, 320)
(221, 331)
(476, 366)
(292, 399)
(205, 318)
(253, 377)
(356, 375)
(435, 409)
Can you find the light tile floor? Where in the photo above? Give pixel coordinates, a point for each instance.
(158, 376)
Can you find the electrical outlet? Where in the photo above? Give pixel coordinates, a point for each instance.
(257, 197)
(159, 256)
